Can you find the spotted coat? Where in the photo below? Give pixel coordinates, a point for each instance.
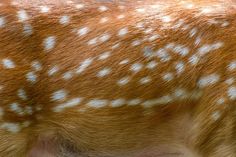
(86, 64)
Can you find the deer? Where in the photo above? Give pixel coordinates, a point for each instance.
(89, 78)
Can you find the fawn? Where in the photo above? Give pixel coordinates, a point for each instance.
(94, 78)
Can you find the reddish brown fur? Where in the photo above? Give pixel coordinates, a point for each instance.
(180, 128)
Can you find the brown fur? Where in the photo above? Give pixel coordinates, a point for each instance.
(180, 128)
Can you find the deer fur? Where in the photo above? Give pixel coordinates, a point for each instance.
(93, 78)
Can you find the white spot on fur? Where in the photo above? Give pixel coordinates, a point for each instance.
(153, 37)
(69, 2)
(36, 65)
(22, 15)
(31, 76)
(213, 21)
(53, 70)
(145, 80)
(209, 47)
(104, 20)
(102, 8)
(225, 24)
(104, 72)
(148, 31)
(8, 63)
(198, 40)
(147, 52)
(136, 43)
(59, 95)
(79, 6)
(216, 115)
(193, 60)
(125, 61)
(83, 31)
(105, 37)
(15, 107)
(11, 127)
(134, 102)
(64, 20)
(168, 77)
(69, 104)
(232, 66)
(2, 22)
(180, 67)
(206, 10)
(159, 101)
(14, 3)
(152, 65)
(85, 64)
(22, 94)
(121, 16)
(49, 43)
(163, 55)
(170, 46)
(115, 46)
(182, 50)
(118, 103)
(140, 25)
(193, 32)
(166, 19)
(232, 92)
(123, 81)
(93, 41)
(180, 93)
(220, 101)
(104, 55)
(67, 75)
(44, 9)
(136, 67)
(208, 80)
(188, 5)
(141, 10)
(157, 6)
(179, 23)
(97, 103)
(123, 32)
